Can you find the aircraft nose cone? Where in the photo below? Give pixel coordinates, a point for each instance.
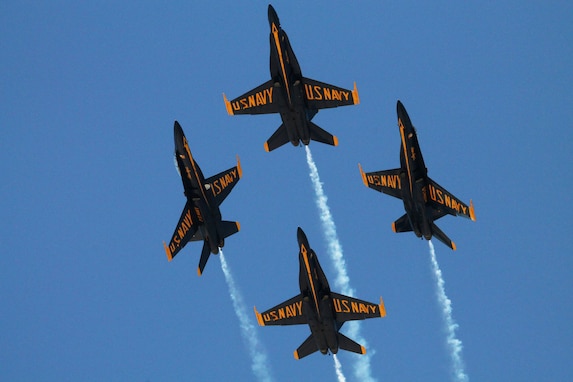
(273, 17)
(300, 235)
(403, 114)
(400, 108)
(178, 133)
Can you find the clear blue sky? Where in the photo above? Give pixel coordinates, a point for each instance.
(88, 95)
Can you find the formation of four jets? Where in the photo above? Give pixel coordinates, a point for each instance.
(298, 100)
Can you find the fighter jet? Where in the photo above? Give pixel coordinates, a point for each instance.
(295, 97)
(324, 311)
(201, 218)
(424, 200)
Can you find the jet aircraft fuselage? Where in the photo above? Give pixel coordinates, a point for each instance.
(317, 302)
(288, 85)
(414, 176)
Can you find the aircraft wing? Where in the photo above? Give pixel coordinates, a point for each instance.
(445, 202)
(349, 308)
(387, 181)
(184, 232)
(260, 100)
(222, 183)
(286, 313)
(320, 95)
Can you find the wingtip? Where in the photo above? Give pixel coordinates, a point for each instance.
(296, 355)
(472, 212)
(167, 252)
(239, 167)
(362, 350)
(228, 105)
(199, 273)
(267, 147)
(259, 317)
(335, 139)
(394, 227)
(363, 175)
(238, 226)
(454, 246)
(355, 96)
(382, 308)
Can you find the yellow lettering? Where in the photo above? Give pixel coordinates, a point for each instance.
(336, 95)
(355, 308)
(448, 201)
(336, 303)
(327, 95)
(281, 312)
(216, 188)
(432, 190)
(308, 91)
(440, 198)
(260, 98)
(317, 93)
(392, 181)
(228, 179)
(251, 99)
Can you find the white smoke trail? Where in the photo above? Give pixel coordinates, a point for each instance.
(338, 368)
(342, 282)
(454, 344)
(259, 360)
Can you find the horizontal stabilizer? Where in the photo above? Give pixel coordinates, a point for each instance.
(228, 228)
(320, 135)
(279, 138)
(346, 343)
(402, 224)
(309, 346)
(205, 253)
(441, 236)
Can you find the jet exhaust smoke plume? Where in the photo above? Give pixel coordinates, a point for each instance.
(454, 344)
(338, 368)
(362, 365)
(259, 360)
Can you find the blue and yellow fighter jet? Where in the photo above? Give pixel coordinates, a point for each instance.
(295, 97)
(201, 217)
(424, 200)
(321, 309)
